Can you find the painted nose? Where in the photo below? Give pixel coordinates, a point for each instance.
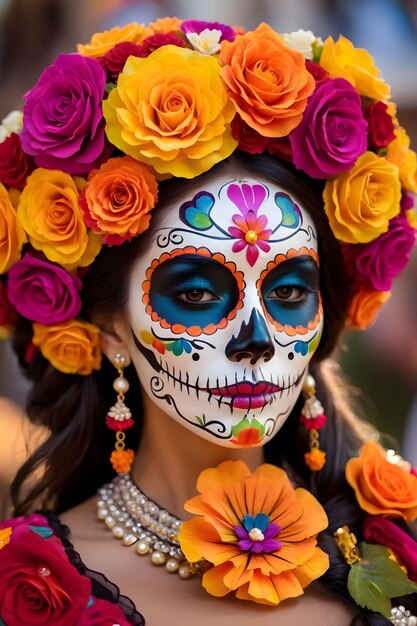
(253, 341)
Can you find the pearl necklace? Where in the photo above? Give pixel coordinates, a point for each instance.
(137, 520)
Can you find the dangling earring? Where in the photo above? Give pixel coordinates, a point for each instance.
(119, 419)
(313, 418)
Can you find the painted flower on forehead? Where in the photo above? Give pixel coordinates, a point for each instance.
(118, 198)
(342, 60)
(332, 133)
(102, 42)
(43, 292)
(267, 81)
(259, 533)
(12, 235)
(63, 124)
(71, 347)
(50, 214)
(359, 203)
(172, 112)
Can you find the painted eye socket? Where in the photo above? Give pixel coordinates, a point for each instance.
(197, 296)
(288, 293)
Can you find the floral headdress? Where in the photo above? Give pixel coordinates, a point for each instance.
(79, 167)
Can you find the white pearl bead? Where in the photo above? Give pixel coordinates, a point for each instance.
(172, 566)
(184, 572)
(158, 558)
(143, 547)
(118, 532)
(121, 385)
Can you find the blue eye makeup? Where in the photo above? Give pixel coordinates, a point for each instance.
(290, 291)
(192, 290)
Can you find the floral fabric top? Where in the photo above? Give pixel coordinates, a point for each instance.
(44, 581)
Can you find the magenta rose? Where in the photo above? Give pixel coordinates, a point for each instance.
(153, 42)
(38, 583)
(103, 613)
(332, 132)
(407, 202)
(376, 264)
(380, 125)
(249, 140)
(385, 532)
(29, 520)
(8, 315)
(197, 26)
(317, 71)
(15, 165)
(63, 124)
(43, 292)
(115, 59)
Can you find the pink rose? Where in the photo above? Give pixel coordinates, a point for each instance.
(332, 132)
(43, 292)
(38, 583)
(15, 165)
(103, 613)
(385, 532)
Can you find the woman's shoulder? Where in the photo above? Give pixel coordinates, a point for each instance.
(18, 439)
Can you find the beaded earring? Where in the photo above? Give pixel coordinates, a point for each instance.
(313, 418)
(119, 419)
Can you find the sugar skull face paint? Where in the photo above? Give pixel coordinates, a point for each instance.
(225, 310)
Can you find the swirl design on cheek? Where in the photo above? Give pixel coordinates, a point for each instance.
(296, 271)
(161, 296)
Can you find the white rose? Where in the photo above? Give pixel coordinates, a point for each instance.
(12, 123)
(207, 42)
(302, 40)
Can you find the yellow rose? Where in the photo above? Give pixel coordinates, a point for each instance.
(359, 203)
(103, 42)
(342, 60)
(171, 111)
(398, 152)
(50, 214)
(71, 347)
(12, 235)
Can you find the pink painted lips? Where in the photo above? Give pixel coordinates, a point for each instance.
(247, 395)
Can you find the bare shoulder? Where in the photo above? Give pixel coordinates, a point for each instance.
(18, 439)
(146, 585)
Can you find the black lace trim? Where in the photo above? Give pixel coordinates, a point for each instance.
(102, 588)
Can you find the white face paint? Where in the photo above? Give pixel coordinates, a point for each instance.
(225, 310)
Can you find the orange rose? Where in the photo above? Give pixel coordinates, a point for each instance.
(267, 81)
(71, 347)
(103, 42)
(12, 235)
(50, 214)
(118, 199)
(381, 487)
(165, 25)
(364, 307)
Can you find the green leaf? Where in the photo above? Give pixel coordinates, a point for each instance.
(259, 427)
(200, 420)
(109, 86)
(317, 49)
(244, 423)
(374, 580)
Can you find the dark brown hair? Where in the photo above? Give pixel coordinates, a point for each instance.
(74, 460)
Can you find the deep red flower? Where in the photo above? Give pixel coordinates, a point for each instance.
(380, 125)
(115, 59)
(317, 71)
(281, 148)
(8, 315)
(103, 613)
(38, 583)
(380, 530)
(15, 165)
(249, 140)
(152, 43)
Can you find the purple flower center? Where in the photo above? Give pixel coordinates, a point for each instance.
(257, 534)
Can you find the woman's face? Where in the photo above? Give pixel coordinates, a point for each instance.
(225, 309)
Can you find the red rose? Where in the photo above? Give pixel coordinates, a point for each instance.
(281, 148)
(115, 59)
(380, 125)
(38, 583)
(15, 165)
(152, 43)
(249, 139)
(317, 71)
(8, 315)
(103, 613)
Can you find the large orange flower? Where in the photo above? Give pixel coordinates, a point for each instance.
(382, 488)
(267, 81)
(259, 533)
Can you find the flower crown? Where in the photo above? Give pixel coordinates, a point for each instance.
(79, 167)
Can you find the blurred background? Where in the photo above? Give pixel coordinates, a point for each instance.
(381, 362)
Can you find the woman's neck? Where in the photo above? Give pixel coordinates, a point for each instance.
(170, 458)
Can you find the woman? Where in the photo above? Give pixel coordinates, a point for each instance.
(216, 296)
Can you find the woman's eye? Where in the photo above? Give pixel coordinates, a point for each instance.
(197, 295)
(288, 293)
